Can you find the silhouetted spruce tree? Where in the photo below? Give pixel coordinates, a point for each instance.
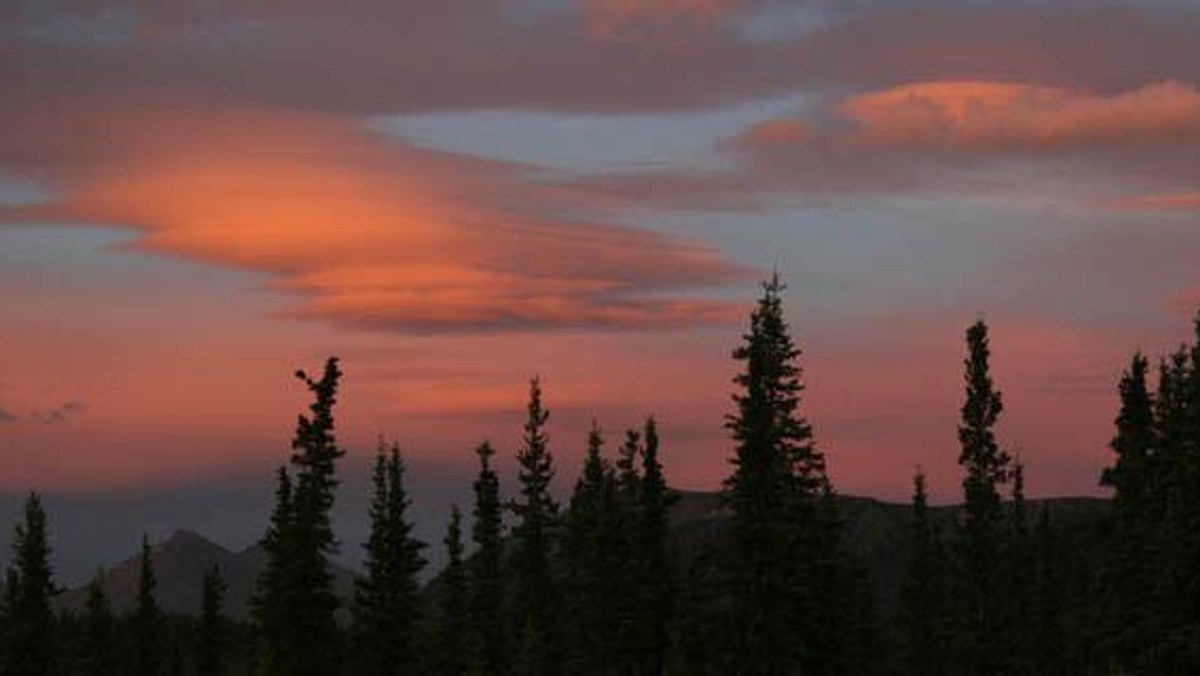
(270, 605)
(1134, 442)
(385, 601)
(1180, 536)
(981, 534)
(294, 604)
(534, 535)
(1190, 513)
(31, 651)
(622, 554)
(1129, 599)
(922, 617)
(592, 553)
(311, 638)
(653, 585)
(453, 632)
(777, 479)
(146, 622)
(1151, 643)
(210, 641)
(97, 649)
(486, 628)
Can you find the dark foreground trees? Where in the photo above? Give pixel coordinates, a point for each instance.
(778, 542)
(1152, 599)
(454, 645)
(769, 584)
(30, 589)
(149, 638)
(534, 599)
(295, 601)
(386, 604)
(212, 632)
(97, 651)
(922, 619)
(980, 631)
(488, 652)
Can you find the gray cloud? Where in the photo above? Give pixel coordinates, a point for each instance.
(355, 57)
(61, 414)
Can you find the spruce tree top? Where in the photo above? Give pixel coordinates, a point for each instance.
(987, 465)
(1135, 438)
(315, 447)
(773, 439)
(536, 463)
(34, 576)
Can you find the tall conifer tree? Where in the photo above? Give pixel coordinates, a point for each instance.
(30, 592)
(294, 603)
(1186, 638)
(534, 537)
(1133, 445)
(982, 528)
(312, 638)
(485, 610)
(654, 584)
(386, 601)
(593, 555)
(773, 492)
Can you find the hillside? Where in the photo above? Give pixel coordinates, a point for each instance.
(877, 532)
(179, 564)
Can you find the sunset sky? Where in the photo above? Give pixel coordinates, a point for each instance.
(197, 197)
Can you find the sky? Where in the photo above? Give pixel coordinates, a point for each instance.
(199, 197)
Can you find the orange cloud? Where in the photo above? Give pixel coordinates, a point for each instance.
(651, 19)
(774, 133)
(998, 115)
(377, 233)
(1183, 201)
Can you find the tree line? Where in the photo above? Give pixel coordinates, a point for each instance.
(602, 586)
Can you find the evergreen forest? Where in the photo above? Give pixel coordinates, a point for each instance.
(604, 582)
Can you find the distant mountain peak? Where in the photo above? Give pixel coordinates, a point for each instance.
(189, 542)
(180, 563)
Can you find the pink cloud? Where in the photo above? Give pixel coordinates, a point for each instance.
(1006, 116)
(773, 133)
(370, 232)
(1180, 201)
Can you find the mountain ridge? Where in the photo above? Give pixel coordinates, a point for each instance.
(876, 530)
(179, 563)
